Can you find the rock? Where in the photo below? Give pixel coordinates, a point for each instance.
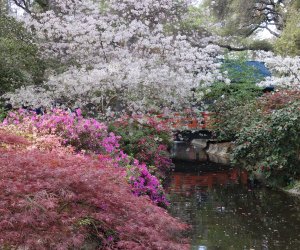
(200, 143)
(221, 149)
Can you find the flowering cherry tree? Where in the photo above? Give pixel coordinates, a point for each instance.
(285, 70)
(119, 55)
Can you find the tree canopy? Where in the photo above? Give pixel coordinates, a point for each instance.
(289, 41)
(19, 61)
(244, 18)
(125, 56)
(130, 55)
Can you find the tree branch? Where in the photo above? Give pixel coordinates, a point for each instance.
(271, 31)
(232, 48)
(23, 4)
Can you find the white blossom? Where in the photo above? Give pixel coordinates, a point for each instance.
(285, 71)
(124, 57)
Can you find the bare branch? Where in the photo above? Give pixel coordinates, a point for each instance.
(23, 4)
(271, 31)
(232, 48)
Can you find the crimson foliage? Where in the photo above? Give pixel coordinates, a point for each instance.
(58, 128)
(278, 100)
(11, 139)
(51, 201)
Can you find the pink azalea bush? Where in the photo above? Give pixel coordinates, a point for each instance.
(144, 183)
(73, 133)
(67, 201)
(139, 176)
(82, 133)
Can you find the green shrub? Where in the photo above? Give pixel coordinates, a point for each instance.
(233, 105)
(231, 116)
(270, 146)
(147, 139)
(239, 92)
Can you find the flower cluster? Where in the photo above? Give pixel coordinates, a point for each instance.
(77, 131)
(140, 176)
(145, 184)
(285, 71)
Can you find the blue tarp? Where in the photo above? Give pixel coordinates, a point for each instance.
(254, 71)
(261, 68)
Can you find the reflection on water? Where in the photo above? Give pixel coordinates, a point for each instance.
(187, 152)
(226, 212)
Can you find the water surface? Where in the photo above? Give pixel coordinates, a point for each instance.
(229, 212)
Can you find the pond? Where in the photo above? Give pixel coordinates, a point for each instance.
(227, 211)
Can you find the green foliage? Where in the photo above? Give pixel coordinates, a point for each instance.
(271, 146)
(294, 187)
(264, 44)
(242, 76)
(3, 114)
(266, 130)
(236, 92)
(196, 19)
(231, 103)
(289, 42)
(234, 15)
(244, 18)
(239, 71)
(231, 115)
(19, 61)
(130, 136)
(147, 140)
(44, 4)
(192, 22)
(3, 7)
(133, 131)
